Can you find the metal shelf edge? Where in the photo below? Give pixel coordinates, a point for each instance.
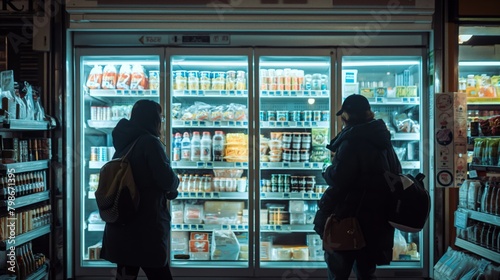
(483, 252)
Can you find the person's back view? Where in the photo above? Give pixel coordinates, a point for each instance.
(353, 180)
(142, 242)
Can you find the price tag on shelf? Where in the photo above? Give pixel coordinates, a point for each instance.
(314, 195)
(293, 93)
(315, 165)
(278, 227)
(237, 164)
(264, 93)
(245, 164)
(265, 164)
(200, 164)
(225, 227)
(231, 123)
(209, 164)
(324, 93)
(233, 227)
(263, 195)
(216, 195)
(286, 164)
(286, 93)
(272, 93)
(307, 123)
(472, 174)
(239, 92)
(307, 165)
(286, 195)
(285, 124)
(307, 93)
(217, 123)
(279, 124)
(405, 99)
(187, 123)
(232, 93)
(200, 227)
(315, 124)
(461, 219)
(223, 92)
(379, 100)
(245, 123)
(300, 124)
(306, 195)
(186, 227)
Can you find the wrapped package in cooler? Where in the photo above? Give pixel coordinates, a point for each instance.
(225, 245)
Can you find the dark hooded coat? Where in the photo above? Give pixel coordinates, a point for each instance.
(354, 179)
(143, 240)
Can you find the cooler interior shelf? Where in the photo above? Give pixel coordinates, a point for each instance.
(479, 250)
(27, 199)
(210, 124)
(123, 93)
(287, 228)
(197, 264)
(291, 165)
(208, 227)
(406, 136)
(295, 93)
(290, 195)
(292, 124)
(213, 195)
(209, 164)
(211, 93)
(27, 166)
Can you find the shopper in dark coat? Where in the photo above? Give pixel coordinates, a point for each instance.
(142, 241)
(352, 181)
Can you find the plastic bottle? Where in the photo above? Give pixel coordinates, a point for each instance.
(195, 146)
(206, 147)
(176, 149)
(218, 146)
(186, 147)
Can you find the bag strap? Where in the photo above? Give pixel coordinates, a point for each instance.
(131, 148)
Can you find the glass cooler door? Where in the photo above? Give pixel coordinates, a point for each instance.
(294, 105)
(394, 87)
(109, 82)
(210, 152)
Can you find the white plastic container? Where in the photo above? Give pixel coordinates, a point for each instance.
(186, 147)
(206, 147)
(196, 146)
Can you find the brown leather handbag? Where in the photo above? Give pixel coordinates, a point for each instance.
(343, 234)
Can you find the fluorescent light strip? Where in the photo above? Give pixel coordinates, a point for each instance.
(209, 63)
(479, 63)
(294, 63)
(120, 62)
(381, 63)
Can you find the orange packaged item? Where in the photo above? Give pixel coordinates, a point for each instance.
(139, 78)
(95, 78)
(124, 77)
(198, 236)
(198, 245)
(109, 77)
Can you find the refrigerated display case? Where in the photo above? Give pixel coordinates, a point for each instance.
(246, 134)
(212, 154)
(393, 84)
(294, 126)
(108, 83)
(477, 221)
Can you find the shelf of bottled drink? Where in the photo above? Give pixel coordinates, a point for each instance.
(27, 166)
(32, 234)
(26, 200)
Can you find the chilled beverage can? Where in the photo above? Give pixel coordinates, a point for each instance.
(308, 116)
(94, 153)
(263, 116)
(271, 116)
(316, 116)
(325, 116)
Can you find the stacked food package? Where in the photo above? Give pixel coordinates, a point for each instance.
(130, 77)
(236, 147)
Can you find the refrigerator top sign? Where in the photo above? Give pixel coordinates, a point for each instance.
(212, 39)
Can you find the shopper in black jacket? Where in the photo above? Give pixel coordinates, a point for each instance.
(142, 242)
(353, 181)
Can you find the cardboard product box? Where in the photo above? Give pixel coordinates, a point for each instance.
(349, 89)
(265, 250)
(297, 206)
(195, 236)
